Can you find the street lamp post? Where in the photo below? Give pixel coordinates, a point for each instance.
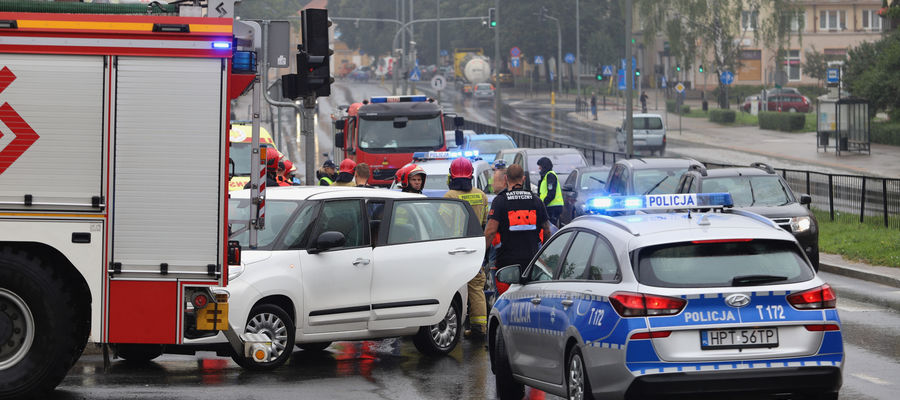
(558, 48)
(577, 49)
(498, 101)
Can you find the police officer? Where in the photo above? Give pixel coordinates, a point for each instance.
(347, 175)
(520, 218)
(550, 191)
(326, 173)
(460, 185)
(411, 178)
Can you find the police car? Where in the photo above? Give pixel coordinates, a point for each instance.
(658, 304)
(437, 169)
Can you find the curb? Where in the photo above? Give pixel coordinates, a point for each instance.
(859, 273)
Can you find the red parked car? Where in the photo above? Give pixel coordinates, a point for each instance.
(791, 102)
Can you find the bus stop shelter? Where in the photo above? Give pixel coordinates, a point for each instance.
(844, 124)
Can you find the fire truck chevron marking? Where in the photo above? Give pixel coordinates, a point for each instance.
(25, 136)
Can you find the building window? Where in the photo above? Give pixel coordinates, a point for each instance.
(833, 20)
(871, 21)
(792, 65)
(749, 20)
(798, 21)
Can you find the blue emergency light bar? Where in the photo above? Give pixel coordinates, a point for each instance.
(398, 99)
(444, 155)
(650, 202)
(221, 45)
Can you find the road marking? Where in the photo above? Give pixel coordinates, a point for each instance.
(872, 379)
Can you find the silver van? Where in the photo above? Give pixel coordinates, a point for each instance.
(649, 134)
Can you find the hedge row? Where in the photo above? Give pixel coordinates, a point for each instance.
(781, 121)
(722, 116)
(671, 104)
(885, 132)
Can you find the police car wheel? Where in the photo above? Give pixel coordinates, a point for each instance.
(441, 338)
(138, 353)
(507, 386)
(272, 321)
(577, 385)
(44, 323)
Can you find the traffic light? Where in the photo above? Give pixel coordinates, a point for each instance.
(637, 72)
(700, 69)
(492, 17)
(598, 72)
(313, 77)
(677, 67)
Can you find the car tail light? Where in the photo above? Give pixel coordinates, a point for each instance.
(813, 299)
(822, 327)
(629, 304)
(651, 335)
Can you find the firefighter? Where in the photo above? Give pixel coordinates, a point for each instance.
(326, 174)
(347, 174)
(460, 185)
(272, 161)
(550, 191)
(411, 178)
(520, 218)
(281, 172)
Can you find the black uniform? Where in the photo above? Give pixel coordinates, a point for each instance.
(520, 215)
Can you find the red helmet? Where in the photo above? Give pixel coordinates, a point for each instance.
(347, 166)
(272, 159)
(407, 171)
(461, 168)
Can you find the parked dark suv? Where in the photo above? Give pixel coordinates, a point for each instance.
(759, 189)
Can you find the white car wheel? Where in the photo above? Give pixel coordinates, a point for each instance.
(440, 338)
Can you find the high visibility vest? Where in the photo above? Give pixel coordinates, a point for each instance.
(558, 200)
(327, 181)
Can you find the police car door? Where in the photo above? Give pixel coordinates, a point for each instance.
(574, 300)
(427, 250)
(528, 329)
(337, 281)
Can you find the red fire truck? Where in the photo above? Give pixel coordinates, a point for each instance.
(384, 132)
(113, 180)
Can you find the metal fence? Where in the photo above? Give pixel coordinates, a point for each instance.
(845, 197)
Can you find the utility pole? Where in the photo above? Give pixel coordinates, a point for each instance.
(577, 49)
(437, 48)
(629, 79)
(498, 101)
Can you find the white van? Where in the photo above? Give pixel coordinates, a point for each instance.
(649, 134)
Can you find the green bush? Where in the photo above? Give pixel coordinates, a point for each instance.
(722, 116)
(781, 121)
(685, 109)
(885, 132)
(671, 107)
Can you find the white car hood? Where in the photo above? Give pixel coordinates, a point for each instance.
(255, 256)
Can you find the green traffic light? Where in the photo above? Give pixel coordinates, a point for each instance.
(493, 23)
(701, 68)
(599, 77)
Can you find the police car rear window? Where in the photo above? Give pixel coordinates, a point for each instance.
(718, 263)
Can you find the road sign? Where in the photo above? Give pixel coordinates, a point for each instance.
(570, 58)
(514, 62)
(415, 75)
(538, 59)
(438, 82)
(515, 52)
(833, 75)
(622, 79)
(444, 53)
(727, 77)
(679, 87)
(607, 70)
(633, 62)
(662, 81)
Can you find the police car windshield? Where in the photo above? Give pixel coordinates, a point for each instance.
(491, 146)
(419, 134)
(278, 214)
(656, 181)
(240, 153)
(717, 263)
(750, 191)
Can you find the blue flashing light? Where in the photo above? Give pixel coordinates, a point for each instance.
(471, 153)
(418, 98)
(719, 199)
(678, 201)
(381, 99)
(634, 202)
(221, 45)
(398, 99)
(420, 155)
(600, 203)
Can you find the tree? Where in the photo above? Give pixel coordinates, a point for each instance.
(269, 9)
(717, 28)
(873, 72)
(815, 64)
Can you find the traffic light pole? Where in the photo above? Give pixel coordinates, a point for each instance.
(498, 101)
(629, 80)
(308, 131)
(264, 75)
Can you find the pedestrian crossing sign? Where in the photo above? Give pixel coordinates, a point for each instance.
(415, 75)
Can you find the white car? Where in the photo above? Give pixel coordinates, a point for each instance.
(649, 134)
(336, 263)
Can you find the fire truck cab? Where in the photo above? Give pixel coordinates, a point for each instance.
(114, 131)
(385, 131)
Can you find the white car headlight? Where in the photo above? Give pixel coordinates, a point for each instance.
(235, 271)
(800, 224)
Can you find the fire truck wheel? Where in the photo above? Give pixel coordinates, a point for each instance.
(42, 328)
(275, 323)
(441, 338)
(138, 353)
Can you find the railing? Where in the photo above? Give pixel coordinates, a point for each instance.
(847, 197)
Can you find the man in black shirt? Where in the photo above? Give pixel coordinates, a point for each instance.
(520, 218)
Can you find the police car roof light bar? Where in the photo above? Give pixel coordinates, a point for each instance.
(398, 99)
(677, 201)
(444, 155)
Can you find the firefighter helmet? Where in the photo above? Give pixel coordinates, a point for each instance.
(404, 173)
(461, 168)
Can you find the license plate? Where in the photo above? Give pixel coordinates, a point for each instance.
(712, 339)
